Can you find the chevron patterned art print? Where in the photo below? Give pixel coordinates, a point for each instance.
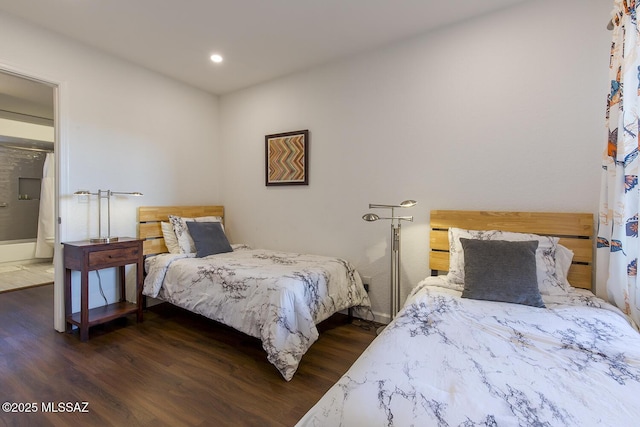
(287, 158)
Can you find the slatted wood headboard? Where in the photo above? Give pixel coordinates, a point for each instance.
(574, 229)
(149, 218)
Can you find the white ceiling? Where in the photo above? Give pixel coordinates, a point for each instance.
(259, 39)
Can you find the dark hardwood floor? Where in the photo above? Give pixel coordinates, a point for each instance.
(173, 369)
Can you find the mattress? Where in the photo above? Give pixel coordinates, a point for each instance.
(277, 297)
(452, 361)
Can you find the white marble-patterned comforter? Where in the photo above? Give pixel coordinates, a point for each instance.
(449, 361)
(277, 297)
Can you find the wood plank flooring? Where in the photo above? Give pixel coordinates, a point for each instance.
(173, 369)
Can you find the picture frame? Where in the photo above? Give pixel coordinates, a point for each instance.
(287, 158)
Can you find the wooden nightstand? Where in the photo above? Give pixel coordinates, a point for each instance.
(85, 256)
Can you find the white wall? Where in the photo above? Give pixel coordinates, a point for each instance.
(502, 112)
(122, 128)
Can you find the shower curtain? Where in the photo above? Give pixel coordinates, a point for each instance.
(618, 244)
(46, 218)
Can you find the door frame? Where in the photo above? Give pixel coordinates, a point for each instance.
(60, 126)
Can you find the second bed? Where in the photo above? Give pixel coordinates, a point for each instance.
(278, 297)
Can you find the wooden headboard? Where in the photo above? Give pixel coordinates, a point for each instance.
(575, 231)
(150, 230)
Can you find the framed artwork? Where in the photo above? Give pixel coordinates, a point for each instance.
(287, 158)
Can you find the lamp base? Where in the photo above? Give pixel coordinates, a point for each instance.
(103, 239)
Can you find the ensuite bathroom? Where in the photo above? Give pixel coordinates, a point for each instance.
(27, 183)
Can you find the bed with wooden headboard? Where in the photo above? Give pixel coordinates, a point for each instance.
(449, 360)
(575, 231)
(274, 296)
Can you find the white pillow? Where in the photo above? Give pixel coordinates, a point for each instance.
(548, 281)
(170, 239)
(185, 242)
(564, 256)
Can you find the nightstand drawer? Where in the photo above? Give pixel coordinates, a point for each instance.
(113, 257)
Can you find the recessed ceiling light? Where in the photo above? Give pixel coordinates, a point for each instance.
(216, 58)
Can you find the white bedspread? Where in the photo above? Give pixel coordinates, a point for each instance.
(449, 361)
(274, 296)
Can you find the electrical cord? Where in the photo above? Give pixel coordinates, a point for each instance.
(100, 286)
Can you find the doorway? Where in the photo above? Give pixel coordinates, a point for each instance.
(27, 181)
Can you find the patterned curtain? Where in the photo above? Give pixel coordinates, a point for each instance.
(618, 243)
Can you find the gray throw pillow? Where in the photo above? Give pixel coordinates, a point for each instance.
(499, 270)
(209, 238)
